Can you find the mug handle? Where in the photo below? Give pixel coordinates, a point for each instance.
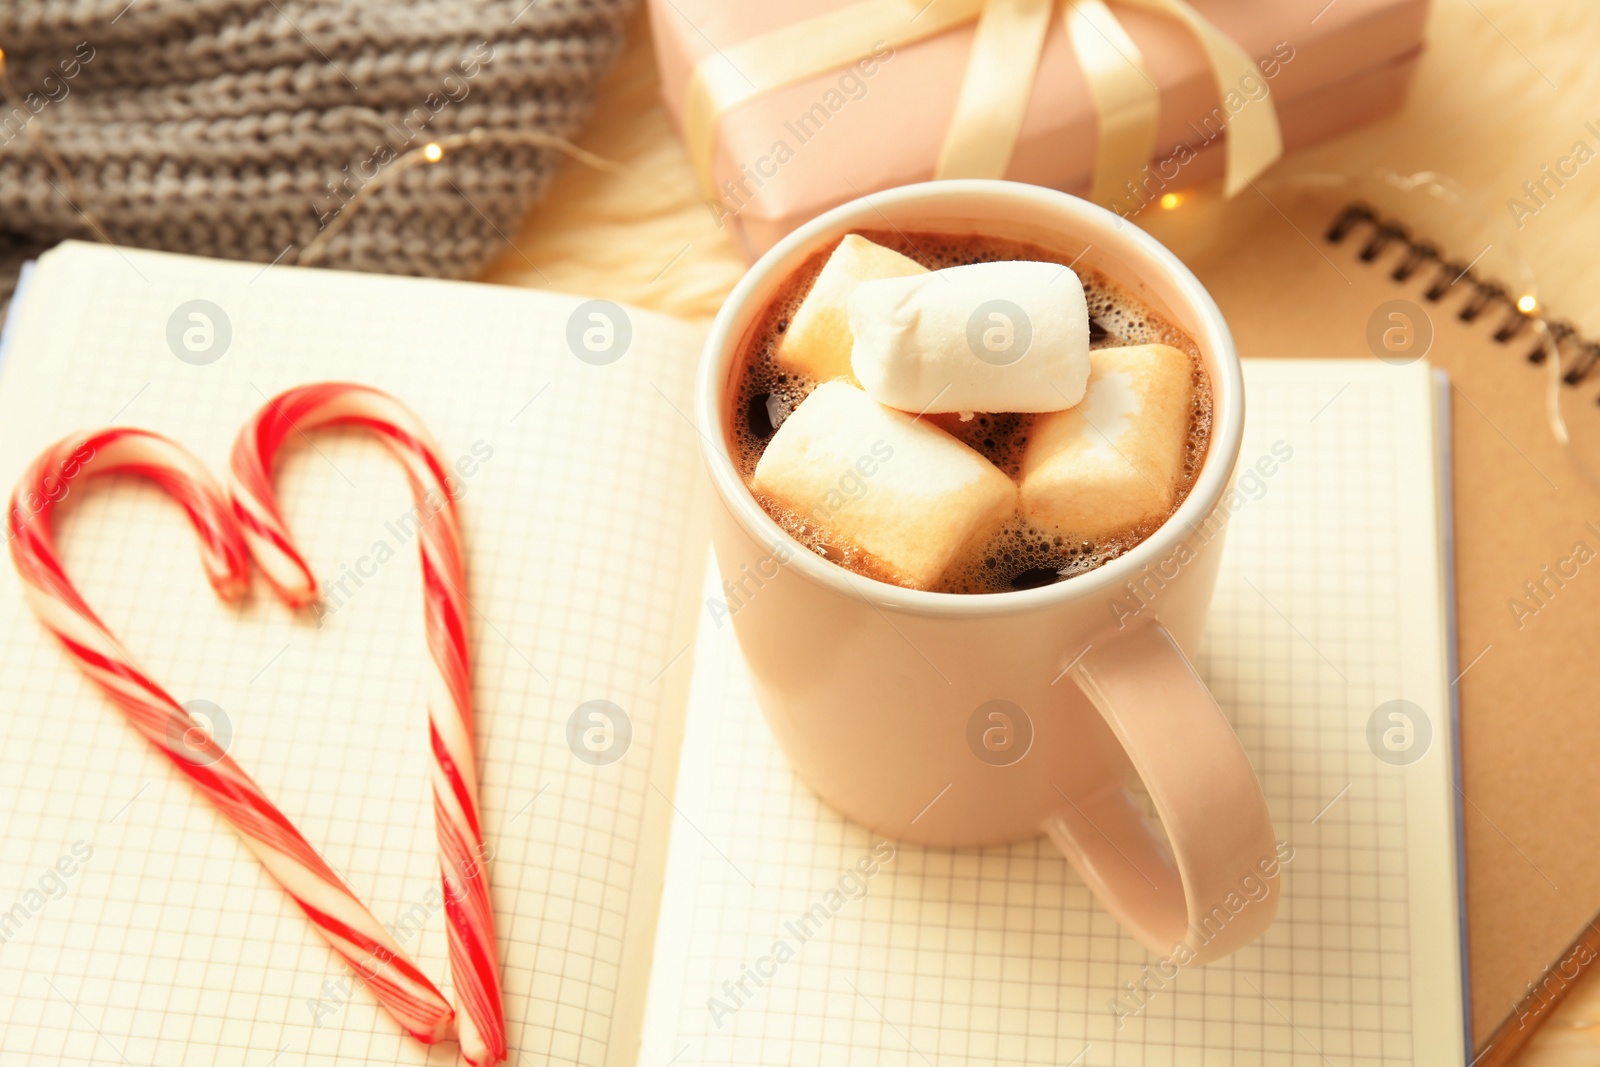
(1216, 887)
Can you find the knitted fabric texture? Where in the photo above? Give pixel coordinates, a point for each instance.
(241, 129)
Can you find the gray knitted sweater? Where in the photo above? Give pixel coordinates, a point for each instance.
(241, 128)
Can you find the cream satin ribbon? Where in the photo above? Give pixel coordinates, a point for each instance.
(998, 82)
(1126, 99)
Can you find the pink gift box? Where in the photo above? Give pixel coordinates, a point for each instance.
(786, 156)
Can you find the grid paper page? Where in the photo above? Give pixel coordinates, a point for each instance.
(1328, 605)
(167, 944)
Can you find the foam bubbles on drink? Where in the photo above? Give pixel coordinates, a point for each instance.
(1020, 556)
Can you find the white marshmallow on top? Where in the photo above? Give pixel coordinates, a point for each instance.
(1114, 460)
(1011, 335)
(816, 344)
(897, 487)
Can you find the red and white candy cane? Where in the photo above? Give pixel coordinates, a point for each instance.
(469, 918)
(333, 909)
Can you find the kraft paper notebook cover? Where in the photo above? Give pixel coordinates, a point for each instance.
(636, 897)
(1530, 735)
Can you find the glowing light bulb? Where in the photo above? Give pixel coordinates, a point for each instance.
(432, 152)
(1170, 200)
(1527, 303)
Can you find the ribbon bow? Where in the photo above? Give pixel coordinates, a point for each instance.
(1009, 37)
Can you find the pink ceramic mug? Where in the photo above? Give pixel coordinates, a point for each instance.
(968, 720)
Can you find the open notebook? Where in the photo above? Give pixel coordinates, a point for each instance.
(1299, 269)
(635, 898)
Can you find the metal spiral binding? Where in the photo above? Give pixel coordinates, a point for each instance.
(1580, 357)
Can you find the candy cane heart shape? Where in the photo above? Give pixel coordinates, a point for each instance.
(474, 959)
(333, 909)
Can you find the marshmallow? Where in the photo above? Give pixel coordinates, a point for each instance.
(817, 343)
(1112, 462)
(1012, 335)
(900, 489)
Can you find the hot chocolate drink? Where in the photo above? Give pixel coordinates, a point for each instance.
(884, 474)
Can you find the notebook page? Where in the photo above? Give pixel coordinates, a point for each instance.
(167, 944)
(1329, 605)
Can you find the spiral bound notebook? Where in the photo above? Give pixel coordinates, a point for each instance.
(641, 899)
(1304, 271)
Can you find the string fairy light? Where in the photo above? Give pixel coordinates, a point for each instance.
(433, 152)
